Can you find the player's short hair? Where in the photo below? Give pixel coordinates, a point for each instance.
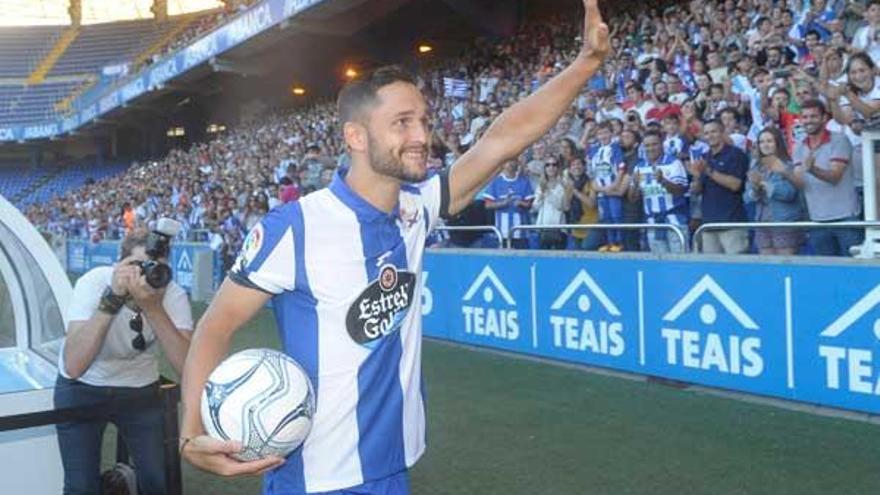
(362, 92)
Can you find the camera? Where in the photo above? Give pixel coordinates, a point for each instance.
(158, 246)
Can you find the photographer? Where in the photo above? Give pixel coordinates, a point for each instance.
(118, 318)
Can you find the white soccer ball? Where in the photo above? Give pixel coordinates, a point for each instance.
(261, 398)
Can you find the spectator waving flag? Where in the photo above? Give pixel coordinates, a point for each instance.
(685, 73)
(456, 88)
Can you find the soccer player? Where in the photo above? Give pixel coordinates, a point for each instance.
(343, 269)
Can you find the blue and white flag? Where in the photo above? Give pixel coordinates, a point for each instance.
(456, 88)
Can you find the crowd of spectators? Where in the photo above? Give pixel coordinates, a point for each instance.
(707, 111)
(207, 23)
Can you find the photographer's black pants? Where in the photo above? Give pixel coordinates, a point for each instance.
(140, 426)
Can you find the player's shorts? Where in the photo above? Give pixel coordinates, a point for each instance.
(397, 484)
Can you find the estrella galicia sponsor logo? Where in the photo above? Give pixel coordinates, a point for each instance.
(846, 347)
(728, 345)
(381, 307)
(585, 319)
(493, 313)
(6, 134)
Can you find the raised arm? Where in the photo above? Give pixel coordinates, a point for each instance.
(525, 122)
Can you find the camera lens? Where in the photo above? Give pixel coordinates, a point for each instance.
(158, 275)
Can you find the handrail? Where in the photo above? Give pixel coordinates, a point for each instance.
(606, 226)
(169, 396)
(473, 228)
(698, 235)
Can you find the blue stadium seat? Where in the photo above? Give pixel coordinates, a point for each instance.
(23, 47)
(99, 45)
(22, 104)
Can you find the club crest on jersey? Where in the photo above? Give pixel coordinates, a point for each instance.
(252, 244)
(410, 212)
(381, 307)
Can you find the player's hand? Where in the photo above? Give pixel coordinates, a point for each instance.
(596, 38)
(123, 275)
(212, 455)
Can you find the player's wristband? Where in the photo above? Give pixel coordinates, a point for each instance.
(110, 302)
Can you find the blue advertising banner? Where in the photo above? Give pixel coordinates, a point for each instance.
(798, 332)
(257, 19)
(82, 256)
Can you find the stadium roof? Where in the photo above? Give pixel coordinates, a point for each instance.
(54, 12)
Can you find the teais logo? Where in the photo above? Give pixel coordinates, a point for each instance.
(856, 363)
(493, 313)
(726, 348)
(381, 307)
(591, 327)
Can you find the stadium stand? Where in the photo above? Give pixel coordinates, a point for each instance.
(57, 181)
(22, 48)
(67, 38)
(22, 103)
(100, 45)
(686, 69)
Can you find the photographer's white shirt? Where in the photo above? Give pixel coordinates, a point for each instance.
(118, 363)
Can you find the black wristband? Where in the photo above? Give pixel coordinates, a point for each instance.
(110, 302)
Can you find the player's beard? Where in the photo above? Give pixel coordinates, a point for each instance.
(390, 162)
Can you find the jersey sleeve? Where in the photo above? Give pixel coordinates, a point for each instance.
(841, 149)
(677, 173)
(435, 194)
(267, 260)
(617, 158)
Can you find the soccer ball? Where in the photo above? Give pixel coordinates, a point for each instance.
(261, 398)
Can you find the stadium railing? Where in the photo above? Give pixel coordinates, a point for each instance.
(169, 395)
(473, 228)
(698, 234)
(677, 229)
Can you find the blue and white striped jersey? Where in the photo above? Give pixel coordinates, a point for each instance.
(512, 215)
(606, 162)
(346, 280)
(698, 150)
(675, 146)
(660, 205)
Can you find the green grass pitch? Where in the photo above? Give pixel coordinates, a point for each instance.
(503, 425)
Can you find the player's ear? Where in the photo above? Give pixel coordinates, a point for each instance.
(355, 135)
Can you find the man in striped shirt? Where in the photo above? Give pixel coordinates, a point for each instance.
(342, 267)
(510, 196)
(661, 181)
